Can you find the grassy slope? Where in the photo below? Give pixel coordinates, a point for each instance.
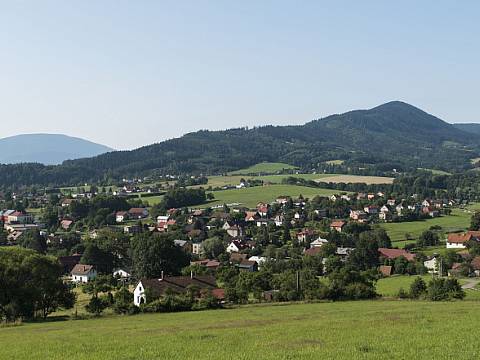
(265, 167)
(343, 330)
(460, 219)
(251, 196)
(358, 179)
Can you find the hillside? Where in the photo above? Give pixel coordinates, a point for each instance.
(394, 135)
(472, 128)
(367, 329)
(46, 149)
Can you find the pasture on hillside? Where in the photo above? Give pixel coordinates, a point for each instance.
(383, 329)
(263, 168)
(458, 220)
(353, 179)
(251, 196)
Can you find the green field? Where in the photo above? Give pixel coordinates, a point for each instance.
(436, 172)
(458, 220)
(391, 285)
(334, 162)
(343, 330)
(251, 196)
(264, 168)
(352, 179)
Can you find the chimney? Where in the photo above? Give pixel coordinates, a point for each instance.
(161, 278)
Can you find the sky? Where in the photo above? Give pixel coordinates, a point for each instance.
(130, 73)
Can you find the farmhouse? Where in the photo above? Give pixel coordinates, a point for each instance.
(318, 242)
(83, 273)
(431, 264)
(177, 284)
(395, 253)
(337, 225)
(458, 241)
(138, 213)
(121, 216)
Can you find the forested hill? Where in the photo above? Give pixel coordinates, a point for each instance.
(393, 135)
(469, 127)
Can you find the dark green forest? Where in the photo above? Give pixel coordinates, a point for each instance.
(372, 142)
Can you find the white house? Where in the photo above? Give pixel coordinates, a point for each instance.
(431, 264)
(139, 294)
(122, 273)
(83, 273)
(458, 241)
(197, 248)
(121, 216)
(318, 242)
(258, 259)
(235, 246)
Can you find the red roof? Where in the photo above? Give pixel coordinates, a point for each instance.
(459, 238)
(337, 223)
(395, 253)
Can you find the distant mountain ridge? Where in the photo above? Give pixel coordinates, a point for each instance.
(48, 149)
(472, 128)
(391, 136)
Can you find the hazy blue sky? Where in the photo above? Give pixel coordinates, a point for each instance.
(130, 73)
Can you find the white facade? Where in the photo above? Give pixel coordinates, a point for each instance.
(84, 278)
(431, 265)
(197, 248)
(455, 245)
(232, 248)
(139, 294)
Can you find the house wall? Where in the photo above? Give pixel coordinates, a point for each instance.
(455, 245)
(139, 295)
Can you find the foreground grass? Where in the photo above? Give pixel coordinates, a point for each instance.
(344, 330)
(251, 196)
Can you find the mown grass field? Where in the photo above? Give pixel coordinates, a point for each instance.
(345, 330)
(436, 172)
(458, 220)
(351, 179)
(251, 196)
(390, 286)
(265, 168)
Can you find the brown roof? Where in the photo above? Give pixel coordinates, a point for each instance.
(475, 234)
(459, 238)
(395, 253)
(238, 257)
(137, 210)
(81, 269)
(178, 284)
(337, 223)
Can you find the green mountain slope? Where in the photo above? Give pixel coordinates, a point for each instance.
(393, 135)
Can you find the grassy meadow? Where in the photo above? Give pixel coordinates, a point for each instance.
(351, 179)
(251, 196)
(458, 220)
(384, 329)
(264, 168)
